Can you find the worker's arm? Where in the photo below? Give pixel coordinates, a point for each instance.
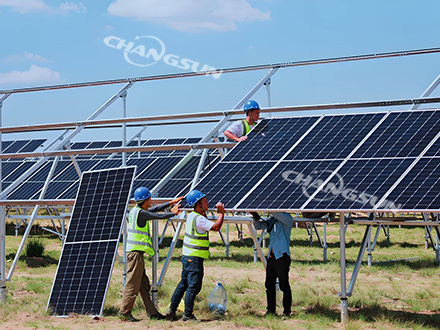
(231, 136)
(218, 224)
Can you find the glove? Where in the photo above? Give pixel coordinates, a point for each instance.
(256, 216)
(177, 200)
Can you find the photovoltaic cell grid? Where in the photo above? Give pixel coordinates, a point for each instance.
(65, 181)
(339, 162)
(90, 247)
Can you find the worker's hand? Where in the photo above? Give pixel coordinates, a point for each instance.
(256, 216)
(242, 138)
(220, 208)
(175, 209)
(176, 201)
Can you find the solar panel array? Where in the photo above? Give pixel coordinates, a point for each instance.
(91, 242)
(151, 168)
(369, 161)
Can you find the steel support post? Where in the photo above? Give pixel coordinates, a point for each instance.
(124, 128)
(269, 101)
(155, 239)
(343, 293)
(365, 240)
(437, 247)
(2, 255)
(256, 245)
(263, 233)
(376, 236)
(368, 238)
(124, 251)
(227, 240)
(325, 247)
(171, 251)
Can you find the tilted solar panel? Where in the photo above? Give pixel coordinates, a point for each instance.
(91, 242)
(332, 162)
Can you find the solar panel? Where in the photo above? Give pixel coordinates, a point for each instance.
(332, 162)
(91, 242)
(65, 180)
(420, 189)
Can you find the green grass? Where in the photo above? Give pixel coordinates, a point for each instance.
(399, 294)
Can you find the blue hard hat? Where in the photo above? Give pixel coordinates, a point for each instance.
(141, 194)
(251, 105)
(193, 197)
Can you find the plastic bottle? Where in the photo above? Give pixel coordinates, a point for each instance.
(218, 298)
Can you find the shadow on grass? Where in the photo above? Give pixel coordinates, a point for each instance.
(34, 262)
(376, 312)
(43, 261)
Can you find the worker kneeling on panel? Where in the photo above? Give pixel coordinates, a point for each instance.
(279, 227)
(139, 242)
(195, 251)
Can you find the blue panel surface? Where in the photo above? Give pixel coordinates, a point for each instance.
(91, 242)
(420, 189)
(270, 140)
(335, 137)
(359, 184)
(289, 185)
(402, 134)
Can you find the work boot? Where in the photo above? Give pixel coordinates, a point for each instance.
(189, 318)
(128, 317)
(158, 316)
(171, 315)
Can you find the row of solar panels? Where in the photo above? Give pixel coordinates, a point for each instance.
(19, 146)
(152, 154)
(370, 161)
(151, 168)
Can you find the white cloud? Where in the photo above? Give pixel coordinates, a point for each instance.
(108, 27)
(26, 57)
(35, 75)
(25, 6)
(71, 6)
(190, 15)
(30, 6)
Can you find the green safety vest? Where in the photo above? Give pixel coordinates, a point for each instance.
(139, 239)
(246, 127)
(195, 244)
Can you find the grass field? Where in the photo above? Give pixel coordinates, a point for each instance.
(389, 295)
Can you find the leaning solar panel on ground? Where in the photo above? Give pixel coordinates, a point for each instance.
(91, 242)
(367, 161)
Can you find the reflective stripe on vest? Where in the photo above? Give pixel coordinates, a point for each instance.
(195, 244)
(246, 127)
(139, 239)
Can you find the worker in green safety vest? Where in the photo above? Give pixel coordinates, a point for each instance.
(195, 251)
(238, 130)
(138, 242)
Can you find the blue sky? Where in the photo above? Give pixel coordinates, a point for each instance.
(48, 42)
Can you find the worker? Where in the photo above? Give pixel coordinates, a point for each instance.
(138, 242)
(279, 227)
(195, 251)
(238, 130)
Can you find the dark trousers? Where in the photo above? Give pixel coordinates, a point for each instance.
(191, 282)
(278, 269)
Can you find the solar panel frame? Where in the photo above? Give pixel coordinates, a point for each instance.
(94, 232)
